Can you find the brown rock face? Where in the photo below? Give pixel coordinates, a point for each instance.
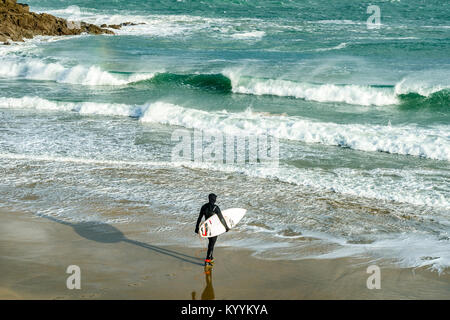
(17, 22)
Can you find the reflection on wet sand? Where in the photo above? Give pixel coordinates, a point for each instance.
(208, 292)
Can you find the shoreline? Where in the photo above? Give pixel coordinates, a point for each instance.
(36, 252)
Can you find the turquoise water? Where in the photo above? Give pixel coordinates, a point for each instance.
(362, 117)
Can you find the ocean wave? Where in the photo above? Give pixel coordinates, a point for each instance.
(229, 82)
(432, 143)
(428, 89)
(406, 93)
(351, 94)
(211, 81)
(436, 101)
(409, 91)
(407, 140)
(85, 108)
(422, 88)
(34, 69)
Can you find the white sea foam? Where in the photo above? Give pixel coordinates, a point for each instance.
(337, 22)
(160, 25)
(338, 47)
(378, 184)
(407, 140)
(249, 35)
(408, 250)
(151, 25)
(34, 69)
(118, 163)
(17, 47)
(351, 94)
(86, 108)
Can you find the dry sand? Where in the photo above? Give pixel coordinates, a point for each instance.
(35, 253)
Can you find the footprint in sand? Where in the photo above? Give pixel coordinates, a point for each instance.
(134, 284)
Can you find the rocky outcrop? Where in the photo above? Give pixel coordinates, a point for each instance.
(17, 23)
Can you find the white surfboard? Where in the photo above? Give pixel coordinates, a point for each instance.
(213, 227)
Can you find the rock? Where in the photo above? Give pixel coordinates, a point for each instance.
(25, 7)
(17, 23)
(123, 24)
(114, 26)
(131, 23)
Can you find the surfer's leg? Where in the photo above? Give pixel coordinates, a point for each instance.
(212, 242)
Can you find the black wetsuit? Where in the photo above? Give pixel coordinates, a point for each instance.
(208, 210)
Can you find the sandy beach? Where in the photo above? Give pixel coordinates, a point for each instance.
(36, 251)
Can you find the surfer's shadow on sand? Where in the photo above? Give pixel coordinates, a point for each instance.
(106, 233)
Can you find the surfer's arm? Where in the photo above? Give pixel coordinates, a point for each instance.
(200, 216)
(222, 220)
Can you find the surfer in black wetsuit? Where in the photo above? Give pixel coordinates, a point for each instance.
(208, 210)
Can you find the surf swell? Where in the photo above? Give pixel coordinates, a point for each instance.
(409, 96)
(433, 98)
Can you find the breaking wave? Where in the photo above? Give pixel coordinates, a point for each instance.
(432, 143)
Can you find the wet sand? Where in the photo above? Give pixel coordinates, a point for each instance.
(35, 253)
